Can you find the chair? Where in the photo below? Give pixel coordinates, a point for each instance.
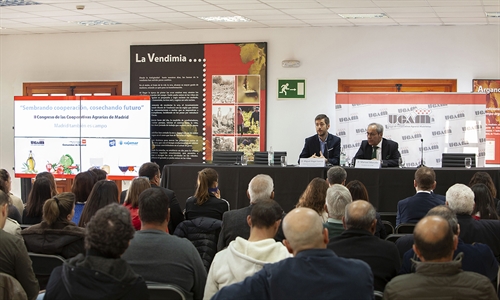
(388, 216)
(389, 229)
(226, 157)
(260, 158)
(457, 160)
(394, 237)
(24, 226)
(378, 295)
(405, 228)
(165, 291)
(10, 288)
(43, 264)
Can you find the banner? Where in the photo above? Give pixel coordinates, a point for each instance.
(491, 87)
(446, 122)
(204, 98)
(66, 135)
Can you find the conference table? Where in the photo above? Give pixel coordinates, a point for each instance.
(385, 186)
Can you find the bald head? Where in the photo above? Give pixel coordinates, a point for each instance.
(303, 229)
(434, 239)
(360, 214)
(261, 187)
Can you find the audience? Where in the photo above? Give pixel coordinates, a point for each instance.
(336, 175)
(138, 185)
(485, 178)
(100, 273)
(103, 193)
(207, 201)
(160, 257)
(12, 211)
(314, 197)
(358, 241)
(14, 259)
(39, 193)
(438, 276)
(484, 207)
(337, 198)
(100, 174)
(245, 257)
(414, 208)
(51, 178)
(313, 273)
(13, 200)
(82, 186)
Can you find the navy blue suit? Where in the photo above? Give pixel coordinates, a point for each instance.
(480, 231)
(390, 153)
(414, 208)
(312, 146)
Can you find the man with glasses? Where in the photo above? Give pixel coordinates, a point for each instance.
(323, 144)
(379, 148)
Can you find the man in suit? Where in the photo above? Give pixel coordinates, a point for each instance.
(360, 223)
(323, 144)
(414, 208)
(234, 222)
(377, 147)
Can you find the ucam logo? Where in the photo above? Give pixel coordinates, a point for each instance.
(338, 106)
(480, 112)
(458, 144)
(410, 119)
(436, 105)
(379, 114)
(404, 151)
(112, 143)
(412, 164)
(360, 130)
(37, 143)
(434, 147)
(413, 136)
(472, 128)
(406, 109)
(457, 116)
(348, 119)
(481, 154)
(442, 132)
(351, 146)
(482, 140)
(341, 132)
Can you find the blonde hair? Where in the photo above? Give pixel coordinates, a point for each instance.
(138, 185)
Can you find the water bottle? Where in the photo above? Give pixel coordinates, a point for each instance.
(343, 158)
(270, 157)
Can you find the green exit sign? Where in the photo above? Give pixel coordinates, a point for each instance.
(291, 88)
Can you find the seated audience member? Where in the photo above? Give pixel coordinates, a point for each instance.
(12, 211)
(12, 227)
(323, 144)
(359, 192)
(484, 207)
(337, 198)
(82, 186)
(13, 200)
(103, 193)
(460, 199)
(39, 193)
(50, 177)
(207, 201)
(314, 197)
(234, 222)
(100, 174)
(245, 257)
(414, 208)
(160, 257)
(360, 223)
(56, 234)
(485, 178)
(438, 276)
(100, 273)
(313, 273)
(138, 185)
(476, 257)
(14, 259)
(377, 147)
(336, 175)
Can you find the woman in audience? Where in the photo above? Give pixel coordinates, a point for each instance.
(82, 186)
(485, 178)
(138, 185)
(50, 177)
(100, 174)
(40, 191)
(314, 197)
(484, 207)
(206, 201)
(13, 200)
(104, 192)
(12, 211)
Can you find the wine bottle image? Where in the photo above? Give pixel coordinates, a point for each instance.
(31, 162)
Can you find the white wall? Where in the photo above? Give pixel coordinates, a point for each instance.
(326, 54)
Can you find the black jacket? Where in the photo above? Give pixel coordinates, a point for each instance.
(390, 153)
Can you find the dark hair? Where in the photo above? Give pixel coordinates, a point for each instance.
(485, 178)
(138, 185)
(432, 250)
(149, 170)
(82, 186)
(425, 178)
(50, 177)
(40, 191)
(58, 208)
(100, 174)
(206, 179)
(153, 206)
(358, 190)
(109, 231)
(336, 174)
(314, 196)
(4, 178)
(265, 213)
(104, 192)
(321, 117)
(485, 204)
(4, 198)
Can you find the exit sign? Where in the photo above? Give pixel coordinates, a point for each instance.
(291, 88)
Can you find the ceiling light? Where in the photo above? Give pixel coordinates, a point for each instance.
(17, 2)
(493, 14)
(362, 16)
(226, 19)
(97, 22)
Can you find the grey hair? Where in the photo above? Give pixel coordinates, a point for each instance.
(260, 188)
(336, 174)
(362, 222)
(337, 197)
(460, 199)
(380, 128)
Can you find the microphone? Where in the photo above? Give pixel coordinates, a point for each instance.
(421, 153)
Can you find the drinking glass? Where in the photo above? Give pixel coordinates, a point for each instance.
(244, 160)
(468, 162)
(283, 161)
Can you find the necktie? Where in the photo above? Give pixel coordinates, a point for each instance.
(374, 152)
